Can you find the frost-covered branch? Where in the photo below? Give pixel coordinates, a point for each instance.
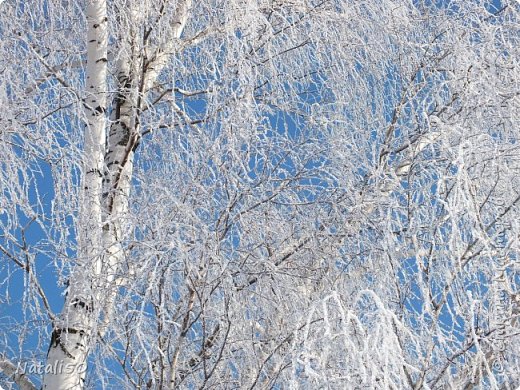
(13, 372)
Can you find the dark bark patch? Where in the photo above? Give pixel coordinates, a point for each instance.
(97, 171)
(125, 136)
(56, 339)
(76, 302)
(111, 163)
(100, 110)
(136, 145)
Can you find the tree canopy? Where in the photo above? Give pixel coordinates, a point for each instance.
(260, 194)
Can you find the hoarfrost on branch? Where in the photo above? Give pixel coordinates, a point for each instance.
(259, 194)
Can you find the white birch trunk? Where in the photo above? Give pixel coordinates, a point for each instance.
(124, 138)
(107, 184)
(72, 333)
(163, 53)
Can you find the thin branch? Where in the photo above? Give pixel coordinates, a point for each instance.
(14, 373)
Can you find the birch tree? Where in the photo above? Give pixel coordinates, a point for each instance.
(259, 194)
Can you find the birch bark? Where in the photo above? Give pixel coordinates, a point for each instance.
(106, 188)
(73, 331)
(136, 75)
